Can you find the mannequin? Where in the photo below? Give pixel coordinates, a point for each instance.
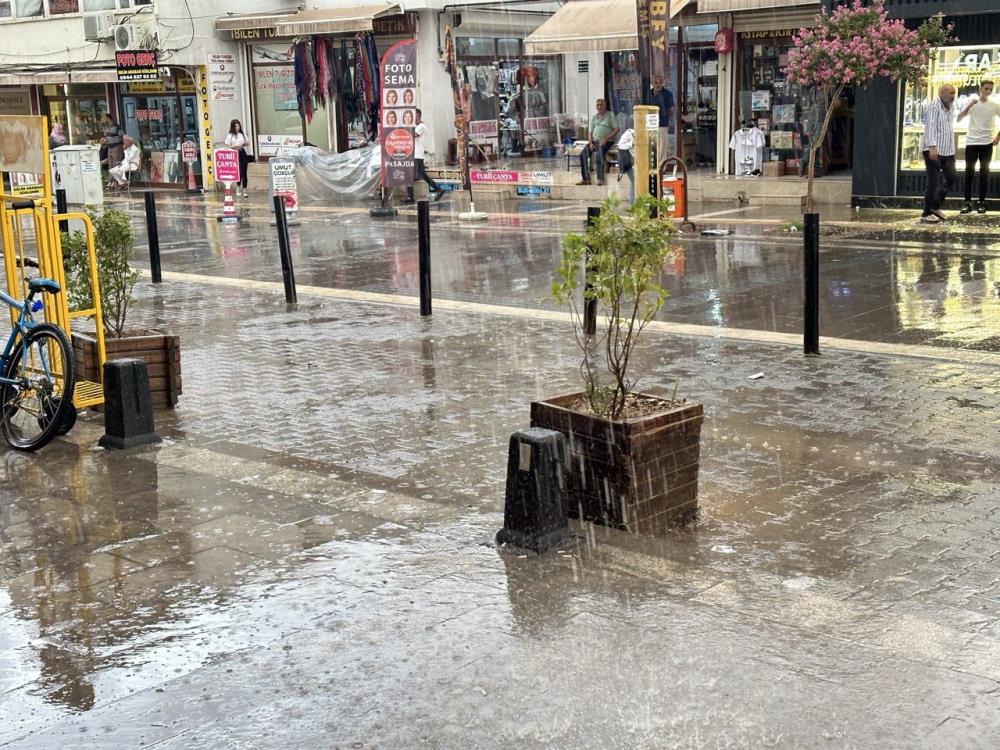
(748, 143)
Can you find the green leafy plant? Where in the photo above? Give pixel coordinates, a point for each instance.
(113, 239)
(620, 257)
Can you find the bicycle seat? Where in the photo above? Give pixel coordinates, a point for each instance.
(44, 285)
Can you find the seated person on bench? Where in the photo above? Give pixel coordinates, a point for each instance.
(603, 129)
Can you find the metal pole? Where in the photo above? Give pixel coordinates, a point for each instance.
(153, 235)
(287, 272)
(424, 241)
(61, 208)
(811, 270)
(590, 305)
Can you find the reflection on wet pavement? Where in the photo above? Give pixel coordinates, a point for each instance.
(306, 561)
(874, 291)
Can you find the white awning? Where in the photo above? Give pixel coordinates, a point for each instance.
(348, 20)
(91, 75)
(740, 6)
(586, 26)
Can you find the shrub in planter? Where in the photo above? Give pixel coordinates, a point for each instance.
(633, 456)
(113, 239)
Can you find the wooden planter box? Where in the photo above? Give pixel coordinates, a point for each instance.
(640, 474)
(161, 353)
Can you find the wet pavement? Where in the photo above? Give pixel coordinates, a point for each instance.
(307, 559)
(940, 293)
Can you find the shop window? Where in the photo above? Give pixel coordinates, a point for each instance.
(92, 6)
(965, 68)
(508, 49)
(476, 46)
(61, 7)
(160, 116)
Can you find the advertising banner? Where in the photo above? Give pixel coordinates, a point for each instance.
(652, 22)
(398, 70)
(283, 182)
(21, 144)
(222, 70)
(136, 65)
(227, 165)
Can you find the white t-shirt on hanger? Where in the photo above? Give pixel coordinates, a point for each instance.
(748, 143)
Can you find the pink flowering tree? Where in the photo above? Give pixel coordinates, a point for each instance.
(851, 47)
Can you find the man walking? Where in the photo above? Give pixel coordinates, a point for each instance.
(938, 147)
(664, 101)
(979, 143)
(603, 130)
(419, 173)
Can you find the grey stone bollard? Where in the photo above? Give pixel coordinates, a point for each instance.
(535, 515)
(128, 408)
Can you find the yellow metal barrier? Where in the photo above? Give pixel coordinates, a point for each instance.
(28, 223)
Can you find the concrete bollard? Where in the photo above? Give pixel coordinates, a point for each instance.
(535, 515)
(128, 408)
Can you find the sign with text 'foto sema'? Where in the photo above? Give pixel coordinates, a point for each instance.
(136, 65)
(398, 114)
(227, 165)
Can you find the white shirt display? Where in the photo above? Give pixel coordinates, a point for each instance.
(419, 130)
(748, 143)
(981, 123)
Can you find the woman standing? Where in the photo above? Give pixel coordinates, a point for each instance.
(237, 139)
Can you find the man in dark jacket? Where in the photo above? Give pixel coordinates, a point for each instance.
(664, 100)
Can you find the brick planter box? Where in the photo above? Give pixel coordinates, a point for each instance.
(161, 353)
(640, 474)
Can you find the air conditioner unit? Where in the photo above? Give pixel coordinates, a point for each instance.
(98, 27)
(129, 36)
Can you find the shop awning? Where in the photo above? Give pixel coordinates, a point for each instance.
(91, 75)
(739, 6)
(347, 20)
(586, 26)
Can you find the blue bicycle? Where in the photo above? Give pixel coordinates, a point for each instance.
(36, 374)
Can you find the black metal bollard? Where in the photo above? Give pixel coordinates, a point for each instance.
(811, 285)
(534, 514)
(287, 272)
(128, 407)
(424, 241)
(590, 305)
(61, 208)
(153, 236)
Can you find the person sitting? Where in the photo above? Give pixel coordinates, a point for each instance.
(130, 163)
(603, 130)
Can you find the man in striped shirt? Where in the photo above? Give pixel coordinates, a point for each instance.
(938, 147)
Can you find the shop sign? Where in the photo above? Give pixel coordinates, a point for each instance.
(271, 145)
(189, 152)
(137, 65)
(283, 182)
(21, 144)
(222, 82)
(25, 183)
(493, 176)
(536, 178)
(652, 21)
(537, 124)
(776, 33)
(400, 25)
(15, 103)
(724, 41)
(483, 130)
(227, 165)
(533, 190)
(253, 35)
(152, 115)
(151, 87)
(398, 70)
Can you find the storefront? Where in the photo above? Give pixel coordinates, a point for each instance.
(160, 116)
(889, 116)
(79, 108)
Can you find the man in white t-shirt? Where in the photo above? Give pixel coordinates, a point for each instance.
(419, 173)
(979, 143)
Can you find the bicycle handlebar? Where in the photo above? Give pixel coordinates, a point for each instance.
(19, 205)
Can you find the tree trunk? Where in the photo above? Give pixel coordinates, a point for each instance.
(817, 144)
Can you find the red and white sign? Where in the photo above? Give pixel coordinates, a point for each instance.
(399, 144)
(493, 175)
(724, 41)
(189, 152)
(283, 183)
(227, 165)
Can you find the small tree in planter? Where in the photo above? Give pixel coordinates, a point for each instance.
(113, 240)
(852, 47)
(633, 457)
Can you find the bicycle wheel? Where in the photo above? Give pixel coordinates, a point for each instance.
(37, 405)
